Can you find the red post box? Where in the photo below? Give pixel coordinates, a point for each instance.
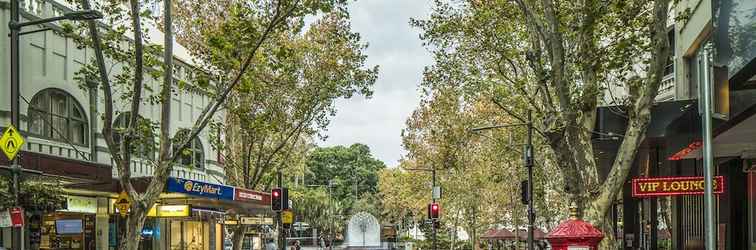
(575, 234)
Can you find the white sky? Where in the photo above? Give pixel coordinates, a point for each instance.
(397, 49)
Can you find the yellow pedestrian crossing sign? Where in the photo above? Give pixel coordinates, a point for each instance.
(11, 142)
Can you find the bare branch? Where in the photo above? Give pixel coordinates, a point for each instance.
(124, 170)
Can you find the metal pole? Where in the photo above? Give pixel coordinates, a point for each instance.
(529, 164)
(330, 209)
(433, 198)
(279, 221)
(15, 92)
(708, 156)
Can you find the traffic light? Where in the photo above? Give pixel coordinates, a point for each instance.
(279, 199)
(434, 211)
(524, 192)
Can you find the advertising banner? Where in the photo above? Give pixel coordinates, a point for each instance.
(79, 204)
(252, 196)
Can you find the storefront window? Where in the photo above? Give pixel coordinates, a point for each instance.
(176, 240)
(189, 235)
(65, 230)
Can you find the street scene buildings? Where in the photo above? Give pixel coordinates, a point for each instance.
(530, 132)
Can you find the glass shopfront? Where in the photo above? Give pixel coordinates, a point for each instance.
(66, 231)
(70, 228)
(189, 235)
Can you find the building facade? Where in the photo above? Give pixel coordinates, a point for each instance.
(714, 42)
(60, 117)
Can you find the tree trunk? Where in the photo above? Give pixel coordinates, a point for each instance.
(238, 237)
(131, 238)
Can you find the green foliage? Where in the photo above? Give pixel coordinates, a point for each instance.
(316, 207)
(556, 59)
(353, 170)
(289, 96)
(37, 194)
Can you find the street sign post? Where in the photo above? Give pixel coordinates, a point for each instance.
(11, 142)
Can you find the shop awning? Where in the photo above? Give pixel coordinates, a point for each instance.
(732, 138)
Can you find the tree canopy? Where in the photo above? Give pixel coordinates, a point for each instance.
(353, 170)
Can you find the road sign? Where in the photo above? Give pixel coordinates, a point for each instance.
(5, 219)
(123, 204)
(11, 142)
(256, 221)
(287, 217)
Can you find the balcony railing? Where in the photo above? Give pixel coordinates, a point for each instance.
(54, 149)
(142, 168)
(666, 88)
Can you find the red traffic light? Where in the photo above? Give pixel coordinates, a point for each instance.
(279, 199)
(434, 211)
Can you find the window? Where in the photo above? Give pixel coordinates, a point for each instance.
(193, 156)
(54, 114)
(144, 145)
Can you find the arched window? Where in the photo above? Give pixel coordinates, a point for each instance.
(143, 146)
(54, 114)
(194, 155)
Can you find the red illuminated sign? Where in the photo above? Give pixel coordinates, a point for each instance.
(669, 186)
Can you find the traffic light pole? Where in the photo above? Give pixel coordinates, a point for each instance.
(433, 198)
(529, 164)
(279, 221)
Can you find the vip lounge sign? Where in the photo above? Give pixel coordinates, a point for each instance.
(670, 186)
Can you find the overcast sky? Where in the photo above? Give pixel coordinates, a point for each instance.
(396, 48)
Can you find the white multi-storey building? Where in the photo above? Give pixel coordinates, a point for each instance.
(60, 117)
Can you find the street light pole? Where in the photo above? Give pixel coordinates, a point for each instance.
(14, 75)
(708, 155)
(529, 164)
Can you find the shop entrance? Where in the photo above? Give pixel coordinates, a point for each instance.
(68, 231)
(192, 234)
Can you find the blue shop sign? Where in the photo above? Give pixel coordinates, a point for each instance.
(199, 188)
